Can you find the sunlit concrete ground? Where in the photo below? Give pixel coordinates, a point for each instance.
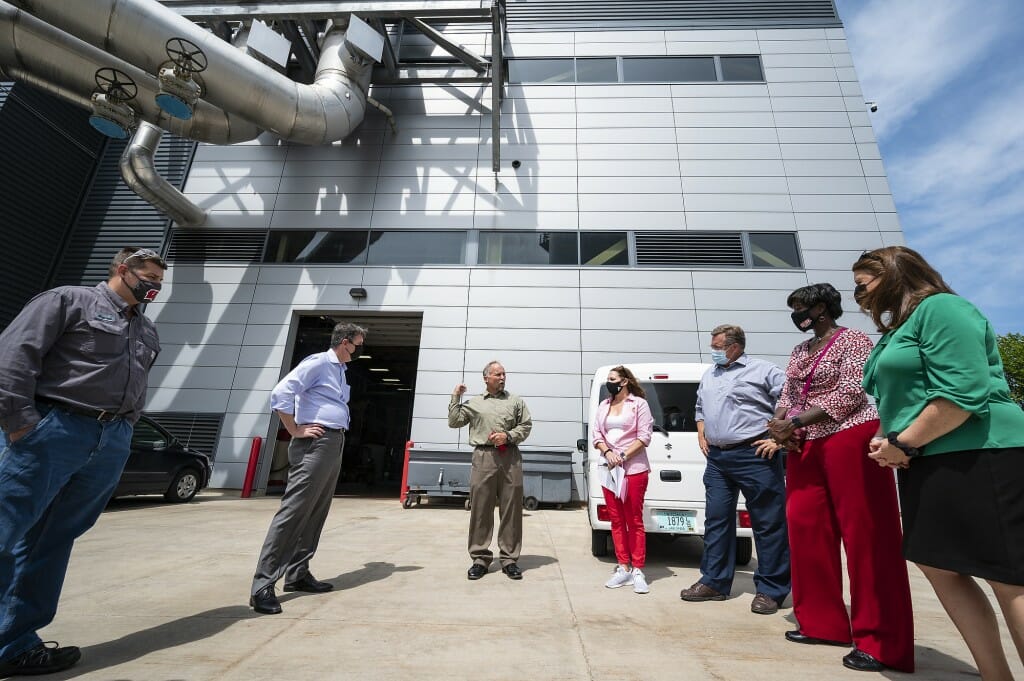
(159, 592)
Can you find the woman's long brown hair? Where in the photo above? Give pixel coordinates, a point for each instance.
(904, 280)
(631, 382)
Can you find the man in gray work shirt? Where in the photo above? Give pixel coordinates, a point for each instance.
(498, 421)
(735, 399)
(74, 366)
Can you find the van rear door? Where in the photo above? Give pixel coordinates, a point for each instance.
(677, 464)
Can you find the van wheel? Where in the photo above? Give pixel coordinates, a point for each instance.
(599, 542)
(744, 550)
(531, 503)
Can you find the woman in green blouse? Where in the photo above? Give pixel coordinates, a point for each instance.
(950, 427)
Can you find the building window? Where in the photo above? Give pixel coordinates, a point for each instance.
(741, 69)
(704, 69)
(528, 248)
(668, 70)
(357, 247)
(604, 248)
(597, 70)
(416, 248)
(668, 249)
(342, 246)
(774, 249)
(541, 71)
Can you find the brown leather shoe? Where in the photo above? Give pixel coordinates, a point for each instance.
(701, 592)
(763, 605)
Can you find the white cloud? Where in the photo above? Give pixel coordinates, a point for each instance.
(907, 51)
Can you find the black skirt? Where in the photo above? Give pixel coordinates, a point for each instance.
(964, 512)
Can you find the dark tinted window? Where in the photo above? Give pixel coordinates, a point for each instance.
(540, 71)
(604, 248)
(416, 248)
(343, 246)
(672, 405)
(597, 70)
(668, 69)
(144, 435)
(741, 68)
(772, 249)
(528, 248)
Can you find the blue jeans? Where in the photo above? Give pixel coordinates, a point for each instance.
(54, 483)
(761, 480)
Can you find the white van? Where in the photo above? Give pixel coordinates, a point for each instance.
(674, 504)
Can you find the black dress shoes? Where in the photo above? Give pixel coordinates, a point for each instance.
(476, 571)
(862, 662)
(265, 601)
(796, 637)
(309, 584)
(45, 658)
(512, 571)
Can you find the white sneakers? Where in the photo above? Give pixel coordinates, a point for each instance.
(621, 577)
(624, 577)
(639, 582)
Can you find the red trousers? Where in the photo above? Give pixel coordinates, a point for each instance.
(627, 516)
(835, 493)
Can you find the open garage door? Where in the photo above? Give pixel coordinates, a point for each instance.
(383, 382)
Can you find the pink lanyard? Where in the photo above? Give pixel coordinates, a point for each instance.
(821, 356)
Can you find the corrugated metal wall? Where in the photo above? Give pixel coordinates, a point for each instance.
(48, 153)
(113, 216)
(583, 15)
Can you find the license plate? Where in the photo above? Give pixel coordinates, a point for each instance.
(675, 521)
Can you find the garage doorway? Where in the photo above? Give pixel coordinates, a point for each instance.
(383, 382)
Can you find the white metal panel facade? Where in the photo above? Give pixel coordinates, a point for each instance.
(794, 153)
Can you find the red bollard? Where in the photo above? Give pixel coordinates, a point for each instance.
(250, 472)
(405, 473)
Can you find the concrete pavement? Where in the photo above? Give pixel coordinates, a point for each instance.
(159, 592)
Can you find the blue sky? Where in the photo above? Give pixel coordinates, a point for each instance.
(948, 77)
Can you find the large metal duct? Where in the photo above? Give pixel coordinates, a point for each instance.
(61, 64)
(137, 31)
(139, 172)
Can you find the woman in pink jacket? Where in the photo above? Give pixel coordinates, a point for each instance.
(621, 432)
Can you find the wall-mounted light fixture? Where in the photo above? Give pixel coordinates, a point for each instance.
(359, 293)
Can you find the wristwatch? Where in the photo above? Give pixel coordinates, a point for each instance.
(911, 452)
(797, 423)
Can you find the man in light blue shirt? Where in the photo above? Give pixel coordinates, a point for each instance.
(312, 402)
(735, 399)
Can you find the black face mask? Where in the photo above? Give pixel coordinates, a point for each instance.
(803, 319)
(356, 351)
(143, 291)
(613, 388)
(860, 292)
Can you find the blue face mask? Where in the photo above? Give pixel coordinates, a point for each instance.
(719, 358)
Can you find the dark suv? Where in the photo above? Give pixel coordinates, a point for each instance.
(160, 464)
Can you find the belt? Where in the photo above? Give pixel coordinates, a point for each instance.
(332, 430)
(745, 443)
(101, 415)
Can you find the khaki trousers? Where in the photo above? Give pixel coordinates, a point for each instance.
(496, 477)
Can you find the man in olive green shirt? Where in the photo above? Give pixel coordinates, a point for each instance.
(498, 421)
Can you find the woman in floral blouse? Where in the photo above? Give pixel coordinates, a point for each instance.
(836, 494)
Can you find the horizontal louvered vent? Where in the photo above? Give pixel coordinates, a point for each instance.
(690, 249)
(217, 245)
(667, 13)
(198, 431)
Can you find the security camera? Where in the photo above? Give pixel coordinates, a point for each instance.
(872, 106)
